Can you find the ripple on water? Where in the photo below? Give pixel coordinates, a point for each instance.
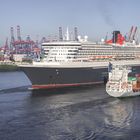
(85, 114)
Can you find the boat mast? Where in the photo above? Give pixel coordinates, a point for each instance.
(67, 34)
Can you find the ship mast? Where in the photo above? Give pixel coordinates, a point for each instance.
(67, 34)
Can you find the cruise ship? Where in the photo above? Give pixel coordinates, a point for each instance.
(79, 62)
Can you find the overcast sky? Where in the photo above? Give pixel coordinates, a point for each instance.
(94, 18)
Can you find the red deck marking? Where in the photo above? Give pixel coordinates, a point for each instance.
(50, 86)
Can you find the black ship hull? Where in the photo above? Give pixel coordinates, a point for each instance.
(47, 77)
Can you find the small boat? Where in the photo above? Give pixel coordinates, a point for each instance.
(122, 81)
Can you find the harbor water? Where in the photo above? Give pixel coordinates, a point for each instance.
(70, 114)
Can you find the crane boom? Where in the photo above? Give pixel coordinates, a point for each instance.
(130, 33)
(135, 30)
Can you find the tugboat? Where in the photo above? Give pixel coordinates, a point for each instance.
(122, 81)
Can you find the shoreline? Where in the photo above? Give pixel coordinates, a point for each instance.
(6, 67)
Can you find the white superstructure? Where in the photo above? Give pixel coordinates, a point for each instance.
(70, 50)
(88, 51)
(61, 51)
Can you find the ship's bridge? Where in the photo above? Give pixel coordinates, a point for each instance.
(61, 51)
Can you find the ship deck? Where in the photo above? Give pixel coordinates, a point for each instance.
(100, 64)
